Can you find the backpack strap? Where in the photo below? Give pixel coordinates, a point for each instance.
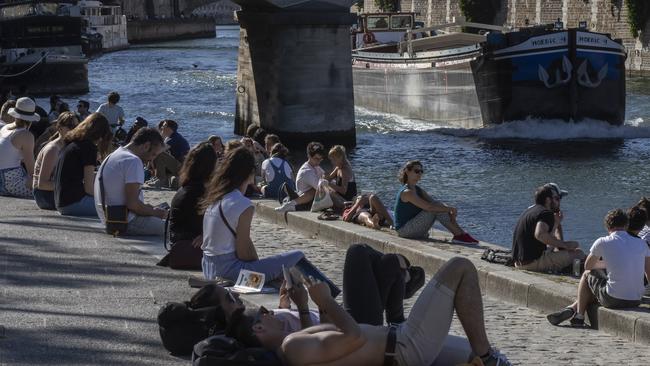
(101, 185)
(167, 231)
(223, 217)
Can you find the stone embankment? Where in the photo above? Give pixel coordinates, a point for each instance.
(70, 294)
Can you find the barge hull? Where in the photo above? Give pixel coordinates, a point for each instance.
(47, 78)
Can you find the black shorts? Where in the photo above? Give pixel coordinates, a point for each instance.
(597, 281)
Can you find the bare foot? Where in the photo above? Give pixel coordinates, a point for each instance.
(375, 221)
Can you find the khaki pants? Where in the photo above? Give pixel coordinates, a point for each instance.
(549, 261)
(166, 167)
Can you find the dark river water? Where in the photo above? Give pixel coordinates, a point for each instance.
(489, 174)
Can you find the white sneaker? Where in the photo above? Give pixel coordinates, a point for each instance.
(286, 207)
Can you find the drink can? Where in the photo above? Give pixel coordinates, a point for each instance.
(577, 267)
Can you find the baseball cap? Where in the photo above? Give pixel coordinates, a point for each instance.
(557, 189)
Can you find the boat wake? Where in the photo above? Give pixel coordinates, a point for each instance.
(540, 129)
(528, 129)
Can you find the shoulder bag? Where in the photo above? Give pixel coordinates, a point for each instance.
(116, 217)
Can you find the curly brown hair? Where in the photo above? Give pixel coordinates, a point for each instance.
(94, 128)
(236, 166)
(408, 166)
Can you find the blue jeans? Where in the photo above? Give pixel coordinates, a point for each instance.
(83, 207)
(228, 265)
(44, 199)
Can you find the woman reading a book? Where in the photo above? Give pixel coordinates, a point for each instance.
(227, 245)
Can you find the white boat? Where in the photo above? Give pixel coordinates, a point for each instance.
(106, 21)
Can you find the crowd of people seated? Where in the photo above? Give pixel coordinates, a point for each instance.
(81, 168)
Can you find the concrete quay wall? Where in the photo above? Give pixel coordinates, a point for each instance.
(541, 292)
(604, 16)
(156, 30)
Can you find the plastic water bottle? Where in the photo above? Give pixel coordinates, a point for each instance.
(577, 270)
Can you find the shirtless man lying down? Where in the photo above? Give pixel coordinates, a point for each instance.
(416, 342)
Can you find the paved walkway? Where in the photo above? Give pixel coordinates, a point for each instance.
(71, 295)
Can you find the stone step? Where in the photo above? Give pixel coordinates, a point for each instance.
(541, 292)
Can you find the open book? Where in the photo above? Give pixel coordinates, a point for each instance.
(249, 282)
(304, 268)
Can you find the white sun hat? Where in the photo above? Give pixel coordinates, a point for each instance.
(25, 110)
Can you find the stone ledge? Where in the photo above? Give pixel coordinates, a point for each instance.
(541, 292)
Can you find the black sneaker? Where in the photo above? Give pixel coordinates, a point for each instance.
(560, 316)
(578, 322)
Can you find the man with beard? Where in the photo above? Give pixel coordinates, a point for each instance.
(537, 243)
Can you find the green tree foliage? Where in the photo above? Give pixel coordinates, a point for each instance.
(480, 11)
(386, 5)
(638, 13)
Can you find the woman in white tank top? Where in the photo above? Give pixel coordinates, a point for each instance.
(227, 245)
(16, 147)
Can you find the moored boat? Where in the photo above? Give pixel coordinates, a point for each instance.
(40, 49)
(104, 27)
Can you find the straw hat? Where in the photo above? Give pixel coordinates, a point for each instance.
(25, 110)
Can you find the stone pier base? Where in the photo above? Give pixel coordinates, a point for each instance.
(294, 75)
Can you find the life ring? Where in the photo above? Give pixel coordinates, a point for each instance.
(369, 38)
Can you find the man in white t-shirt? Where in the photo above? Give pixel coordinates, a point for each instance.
(614, 269)
(307, 179)
(113, 112)
(122, 178)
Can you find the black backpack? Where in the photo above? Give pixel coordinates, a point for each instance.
(220, 350)
(181, 326)
(500, 256)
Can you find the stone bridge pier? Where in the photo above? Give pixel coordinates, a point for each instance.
(294, 73)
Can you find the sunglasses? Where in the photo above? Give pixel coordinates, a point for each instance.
(258, 317)
(557, 198)
(418, 171)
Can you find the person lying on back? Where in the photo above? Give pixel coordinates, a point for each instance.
(417, 341)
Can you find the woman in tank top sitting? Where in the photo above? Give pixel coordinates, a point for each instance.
(416, 211)
(75, 169)
(344, 187)
(17, 148)
(47, 159)
(227, 245)
(276, 170)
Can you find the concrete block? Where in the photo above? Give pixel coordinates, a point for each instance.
(642, 328)
(549, 297)
(509, 285)
(620, 322)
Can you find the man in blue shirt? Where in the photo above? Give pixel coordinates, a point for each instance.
(167, 165)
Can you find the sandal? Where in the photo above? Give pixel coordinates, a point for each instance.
(328, 216)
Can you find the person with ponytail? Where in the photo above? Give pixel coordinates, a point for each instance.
(47, 159)
(228, 214)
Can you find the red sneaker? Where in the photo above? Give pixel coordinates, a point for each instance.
(464, 239)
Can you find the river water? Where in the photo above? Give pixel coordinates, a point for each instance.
(489, 174)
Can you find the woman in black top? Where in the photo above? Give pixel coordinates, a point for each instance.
(185, 223)
(75, 170)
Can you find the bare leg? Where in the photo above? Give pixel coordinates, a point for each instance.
(365, 218)
(585, 297)
(306, 197)
(459, 275)
(377, 206)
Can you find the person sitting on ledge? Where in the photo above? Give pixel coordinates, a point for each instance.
(47, 159)
(16, 150)
(537, 243)
(644, 204)
(228, 214)
(168, 163)
(614, 269)
(185, 222)
(368, 210)
(420, 340)
(416, 212)
(123, 175)
(276, 171)
(309, 174)
(75, 170)
(269, 141)
(344, 188)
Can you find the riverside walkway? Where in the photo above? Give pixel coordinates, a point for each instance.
(70, 294)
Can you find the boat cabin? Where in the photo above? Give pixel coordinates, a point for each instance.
(383, 28)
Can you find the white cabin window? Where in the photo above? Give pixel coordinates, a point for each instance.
(377, 22)
(401, 22)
